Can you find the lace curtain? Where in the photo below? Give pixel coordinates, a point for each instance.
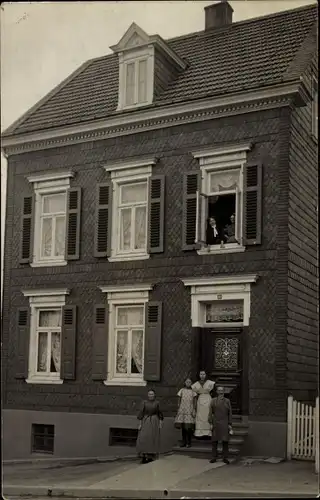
(46, 237)
(49, 319)
(137, 351)
(224, 181)
(122, 352)
(140, 229)
(60, 236)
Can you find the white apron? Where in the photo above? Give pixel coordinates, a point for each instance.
(203, 406)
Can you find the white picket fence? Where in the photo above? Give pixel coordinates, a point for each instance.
(303, 431)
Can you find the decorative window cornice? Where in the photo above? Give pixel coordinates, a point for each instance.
(54, 176)
(126, 288)
(48, 292)
(221, 280)
(128, 164)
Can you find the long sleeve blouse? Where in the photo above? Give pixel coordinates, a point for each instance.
(150, 408)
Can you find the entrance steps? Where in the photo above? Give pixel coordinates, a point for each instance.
(203, 449)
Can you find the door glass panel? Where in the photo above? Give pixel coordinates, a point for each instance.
(226, 353)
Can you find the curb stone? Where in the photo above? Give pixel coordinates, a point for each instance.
(83, 493)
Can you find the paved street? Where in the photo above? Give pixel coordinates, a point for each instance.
(172, 476)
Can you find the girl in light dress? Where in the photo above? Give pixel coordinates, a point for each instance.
(203, 389)
(185, 418)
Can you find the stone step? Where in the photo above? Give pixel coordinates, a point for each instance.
(205, 452)
(234, 440)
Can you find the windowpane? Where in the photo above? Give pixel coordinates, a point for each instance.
(54, 203)
(140, 227)
(42, 352)
(224, 181)
(137, 351)
(46, 246)
(125, 229)
(142, 88)
(230, 311)
(122, 351)
(130, 316)
(55, 352)
(134, 193)
(49, 318)
(60, 236)
(130, 77)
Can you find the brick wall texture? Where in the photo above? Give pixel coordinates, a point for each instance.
(278, 282)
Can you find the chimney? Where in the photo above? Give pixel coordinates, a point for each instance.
(218, 15)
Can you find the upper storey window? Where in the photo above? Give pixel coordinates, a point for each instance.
(139, 57)
(136, 82)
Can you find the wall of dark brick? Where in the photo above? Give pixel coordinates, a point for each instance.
(269, 131)
(303, 267)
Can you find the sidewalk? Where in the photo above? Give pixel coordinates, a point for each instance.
(173, 476)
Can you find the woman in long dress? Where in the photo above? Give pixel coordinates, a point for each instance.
(151, 417)
(185, 417)
(203, 389)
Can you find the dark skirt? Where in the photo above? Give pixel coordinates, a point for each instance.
(148, 442)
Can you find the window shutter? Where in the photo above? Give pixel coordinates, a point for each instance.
(68, 342)
(27, 230)
(252, 204)
(100, 343)
(102, 241)
(73, 223)
(22, 342)
(156, 214)
(152, 343)
(191, 184)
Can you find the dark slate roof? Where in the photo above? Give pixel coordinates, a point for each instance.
(244, 55)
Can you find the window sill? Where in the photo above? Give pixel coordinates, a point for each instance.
(49, 263)
(34, 380)
(217, 249)
(122, 258)
(125, 382)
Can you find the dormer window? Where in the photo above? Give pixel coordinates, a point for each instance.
(138, 83)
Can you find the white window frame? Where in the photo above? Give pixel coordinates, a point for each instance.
(127, 173)
(219, 160)
(144, 53)
(134, 295)
(314, 108)
(224, 288)
(47, 184)
(47, 299)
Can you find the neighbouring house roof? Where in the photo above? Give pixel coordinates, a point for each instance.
(242, 56)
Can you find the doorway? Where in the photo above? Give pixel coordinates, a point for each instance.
(222, 359)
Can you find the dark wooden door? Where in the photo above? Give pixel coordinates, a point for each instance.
(222, 359)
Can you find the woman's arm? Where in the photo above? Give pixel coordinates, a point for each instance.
(229, 413)
(141, 412)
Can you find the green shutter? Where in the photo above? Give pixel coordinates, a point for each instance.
(68, 343)
(156, 214)
(102, 239)
(100, 343)
(191, 184)
(252, 204)
(27, 230)
(153, 342)
(22, 342)
(73, 223)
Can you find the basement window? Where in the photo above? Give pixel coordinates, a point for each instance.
(122, 437)
(42, 438)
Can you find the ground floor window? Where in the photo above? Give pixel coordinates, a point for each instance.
(128, 336)
(48, 341)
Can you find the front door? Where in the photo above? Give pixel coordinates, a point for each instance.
(221, 353)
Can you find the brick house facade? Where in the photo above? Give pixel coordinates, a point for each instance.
(268, 138)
